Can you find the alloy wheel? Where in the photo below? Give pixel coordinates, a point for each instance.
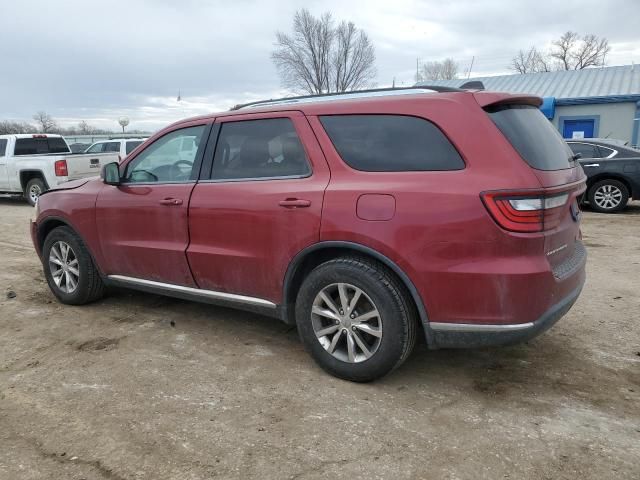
(346, 322)
(608, 196)
(63, 264)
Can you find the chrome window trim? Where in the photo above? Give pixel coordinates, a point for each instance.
(196, 292)
(255, 179)
(615, 152)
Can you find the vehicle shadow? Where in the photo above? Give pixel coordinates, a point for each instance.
(632, 208)
(487, 372)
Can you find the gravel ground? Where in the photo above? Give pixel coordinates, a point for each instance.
(138, 386)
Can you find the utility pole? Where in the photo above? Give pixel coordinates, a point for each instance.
(470, 67)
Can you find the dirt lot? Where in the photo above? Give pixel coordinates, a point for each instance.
(140, 386)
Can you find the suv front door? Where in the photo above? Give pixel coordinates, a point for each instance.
(260, 205)
(142, 223)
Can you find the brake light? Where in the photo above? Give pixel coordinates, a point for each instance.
(61, 168)
(525, 211)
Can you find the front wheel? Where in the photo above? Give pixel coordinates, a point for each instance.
(69, 268)
(355, 319)
(608, 196)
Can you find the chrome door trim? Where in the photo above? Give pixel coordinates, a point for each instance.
(195, 292)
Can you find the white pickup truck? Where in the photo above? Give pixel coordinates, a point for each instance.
(32, 163)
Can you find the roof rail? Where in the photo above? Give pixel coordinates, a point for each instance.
(353, 94)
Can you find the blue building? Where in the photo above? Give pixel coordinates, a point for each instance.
(595, 102)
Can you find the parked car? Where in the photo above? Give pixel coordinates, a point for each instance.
(78, 147)
(122, 146)
(32, 163)
(364, 219)
(613, 173)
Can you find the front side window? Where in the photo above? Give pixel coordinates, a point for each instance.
(169, 159)
(96, 148)
(391, 143)
(254, 149)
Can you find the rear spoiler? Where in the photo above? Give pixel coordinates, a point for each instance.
(490, 99)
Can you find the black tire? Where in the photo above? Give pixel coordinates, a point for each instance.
(89, 285)
(35, 187)
(615, 185)
(397, 315)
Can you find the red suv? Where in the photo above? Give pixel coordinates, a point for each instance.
(363, 219)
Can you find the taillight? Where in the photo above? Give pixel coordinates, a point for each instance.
(61, 168)
(525, 211)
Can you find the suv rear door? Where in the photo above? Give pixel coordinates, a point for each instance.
(257, 205)
(142, 223)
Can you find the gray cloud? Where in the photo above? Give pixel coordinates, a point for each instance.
(78, 60)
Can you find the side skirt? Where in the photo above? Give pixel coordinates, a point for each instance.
(242, 302)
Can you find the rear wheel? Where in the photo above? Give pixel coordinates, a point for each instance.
(69, 268)
(35, 187)
(608, 196)
(355, 319)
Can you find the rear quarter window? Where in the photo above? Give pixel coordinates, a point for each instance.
(532, 135)
(391, 143)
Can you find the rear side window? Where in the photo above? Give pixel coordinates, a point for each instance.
(255, 149)
(532, 135)
(112, 147)
(585, 150)
(130, 146)
(35, 146)
(391, 143)
(3, 147)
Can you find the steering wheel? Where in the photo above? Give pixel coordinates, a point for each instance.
(183, 162)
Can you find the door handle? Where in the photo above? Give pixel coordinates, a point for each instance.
(294, 203)
(171, 201)
(592, 165)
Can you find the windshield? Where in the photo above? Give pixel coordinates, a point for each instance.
(532, 135)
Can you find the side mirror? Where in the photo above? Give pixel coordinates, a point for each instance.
(111, 173)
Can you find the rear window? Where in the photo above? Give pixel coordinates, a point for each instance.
(36, 146)
(130, 146)
(3, 147)
(391, 143)
(532, 135)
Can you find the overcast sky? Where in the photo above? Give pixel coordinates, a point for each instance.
(100, 60)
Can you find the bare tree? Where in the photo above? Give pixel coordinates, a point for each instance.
(8, 127)
(45, 122)
(531, 61)
(84, 128)
(569, 52)
(321, 58)
(352, 59)
(445, 70)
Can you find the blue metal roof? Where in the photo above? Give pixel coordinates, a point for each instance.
(590, 82)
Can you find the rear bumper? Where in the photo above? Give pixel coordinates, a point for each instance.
(457, 335)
